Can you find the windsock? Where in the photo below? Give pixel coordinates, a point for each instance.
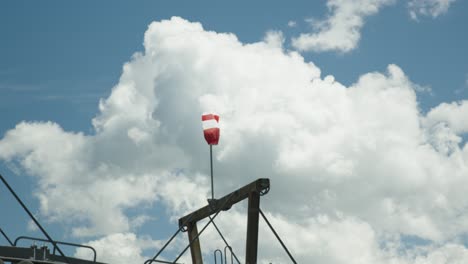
(211, 128)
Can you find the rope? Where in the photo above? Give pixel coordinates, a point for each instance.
(277, 236)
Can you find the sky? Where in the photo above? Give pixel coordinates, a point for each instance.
(357, 111)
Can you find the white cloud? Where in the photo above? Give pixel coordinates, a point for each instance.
(118, 248)
(88, 178)
(353, 169)
(32, 226)
(292, 23)
(341, 30)
(454, 114)
(432, 8)
(274, 38)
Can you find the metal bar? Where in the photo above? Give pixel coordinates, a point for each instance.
(252, 228)
(211, 165)
(195, 249)
(220, 254)
(277, 237)
(160, 261)
(225, 242)
(16, 254)
(232, 255)
(58, 242)
(221, 204)
(33, 218)
(57, 258)
(6, 237)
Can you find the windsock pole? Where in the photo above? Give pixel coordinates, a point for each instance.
(211, 165)
(211, 132)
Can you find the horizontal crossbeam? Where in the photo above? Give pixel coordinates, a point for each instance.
(260, 186)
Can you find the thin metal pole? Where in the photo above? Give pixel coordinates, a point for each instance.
(220, 253)
(211, 164)
(277, 237)
(33, 218)
(232, 255)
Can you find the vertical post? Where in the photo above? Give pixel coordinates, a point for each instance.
(252, 228)
(211, 165)
(195, 249)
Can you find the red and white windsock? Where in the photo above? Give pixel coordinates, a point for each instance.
(211, 128)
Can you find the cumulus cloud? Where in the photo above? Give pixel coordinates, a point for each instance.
(432, 8)
(118, 248)
(455, 114)
(341, 30)
(354, 170)
(274, 38)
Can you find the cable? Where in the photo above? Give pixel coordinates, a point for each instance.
(6, 237)
(230, 248)
(277, 236)
(164, 247)
(203, 229)
(195, 238)
(34, 219)
(149, 261)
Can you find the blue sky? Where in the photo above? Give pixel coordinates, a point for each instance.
(57, 52)
(58, 59)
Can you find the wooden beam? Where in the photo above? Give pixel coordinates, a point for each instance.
(195, 249)
(224, 203)
(252, 228)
